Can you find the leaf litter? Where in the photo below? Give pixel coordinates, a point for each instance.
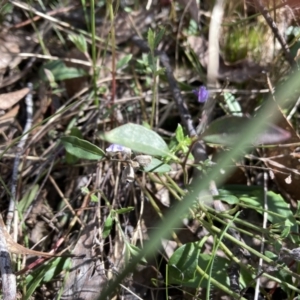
(107, 101)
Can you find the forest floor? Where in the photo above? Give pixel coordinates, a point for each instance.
(149, 150)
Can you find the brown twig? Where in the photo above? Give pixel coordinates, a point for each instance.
(285, 48)
(54, 12)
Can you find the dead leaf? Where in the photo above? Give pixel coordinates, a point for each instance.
(10, 99)
(87, 277)
(8, 118)
(9, 50)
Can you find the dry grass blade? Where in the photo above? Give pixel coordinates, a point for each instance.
(108, 209)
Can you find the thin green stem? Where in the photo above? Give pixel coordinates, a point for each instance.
(218, 217)
(219, 285)
(154, 91)
(94, 51)
(113, 50)
(38, 34)
(214, 254)
(180, 191)
(251, 250)
(83, 4)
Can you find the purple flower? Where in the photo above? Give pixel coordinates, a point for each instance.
(113, 149)
(201, 93)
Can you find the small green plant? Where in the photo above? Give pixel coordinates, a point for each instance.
(241, 41)
(180, 143)
(45, 273)
(80, 42)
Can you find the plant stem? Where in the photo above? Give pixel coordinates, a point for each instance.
(94, 54)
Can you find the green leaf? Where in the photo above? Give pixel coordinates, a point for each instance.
(179, 134)
(146, 125)
(193, 28)
(76, 132)
(194, 59)
(27, 199)
(183, 263)
(44, 273)
(57, 265)
(60, 71)
(157, 166)
(151, 39)
(276, 204)
(226, 131)
(33, 281)
(297, 213)
(283, 276)
(145, 60)
(50, 77)
(280, 212)
(85, 190)
(81, 148)
(123, 62)
(124, 210)
(185, 273)
(94, 198)
(138, 138)
(286, 231)
(219, 269)
(79, 41)
(160, 71)
(227, 197)
(107, 226)
(233, 105)
(135, 251)
(6, 8)
(72, 159)
(158, 37)
(271, 255)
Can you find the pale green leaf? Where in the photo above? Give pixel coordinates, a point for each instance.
(123, 62)
(138, 138)
(81, 148)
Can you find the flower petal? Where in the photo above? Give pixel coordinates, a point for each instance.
(202, 94)
(115, 148)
